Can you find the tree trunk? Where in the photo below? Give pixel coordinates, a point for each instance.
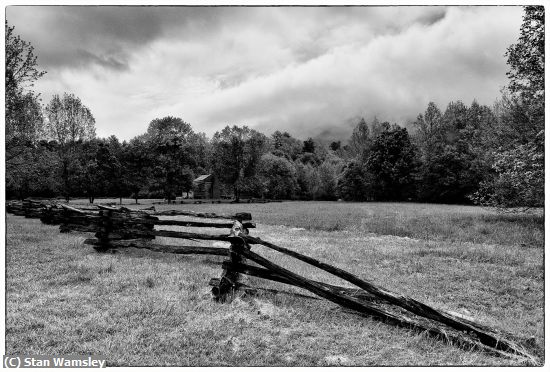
(66, 160)
(66, 178)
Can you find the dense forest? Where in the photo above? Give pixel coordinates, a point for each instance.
(460, 153)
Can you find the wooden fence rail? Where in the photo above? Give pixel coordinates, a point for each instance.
(119, 227)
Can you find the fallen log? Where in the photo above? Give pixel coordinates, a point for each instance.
(499, 345)
(486, 335)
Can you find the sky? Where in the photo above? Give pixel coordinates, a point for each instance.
(311, 71)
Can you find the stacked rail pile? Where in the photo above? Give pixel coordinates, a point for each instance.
(28, 208)
(45, 210)
(123, 227)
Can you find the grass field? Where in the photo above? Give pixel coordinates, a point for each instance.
(138, 308)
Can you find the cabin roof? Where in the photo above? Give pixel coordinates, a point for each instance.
(202, 178)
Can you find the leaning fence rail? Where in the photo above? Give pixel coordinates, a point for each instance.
(119, 227)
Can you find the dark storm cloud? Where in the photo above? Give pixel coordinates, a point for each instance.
(74, 36)
(109, 62)
(61, 33)
(429, 18)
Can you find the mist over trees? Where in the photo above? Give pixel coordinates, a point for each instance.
(459, 153)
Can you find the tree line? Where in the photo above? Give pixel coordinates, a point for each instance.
(457, 154)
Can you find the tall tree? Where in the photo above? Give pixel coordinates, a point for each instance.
(236, 152)
(526, 61)
(392, 163)
(517, 173)
(23, 120)
(309, 145)
(353, 184)
(452, 154)
(21, 73)
(518, 180)
(187, 177)
(335, 145)
(360, 139)
(21, 63)
(307, 179)
(24, 127)
(177, 150)
(428, 127)
(137, 160)
(91, 178)
(278, 177)
(37, 174)
(69, 122)
(326, 182)
(526, 57)
(168, 128)
(285, 145)
(115, 169)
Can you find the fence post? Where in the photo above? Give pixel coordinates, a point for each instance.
(47, 215)
(104, 228)
(26, 205)
(228, 283)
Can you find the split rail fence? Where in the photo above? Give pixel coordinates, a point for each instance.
(122, 227)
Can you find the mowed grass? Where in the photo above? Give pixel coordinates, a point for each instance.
(138, 308)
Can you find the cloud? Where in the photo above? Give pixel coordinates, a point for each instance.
(110, 33)
(110, 62)
(392, 76)
(305, 70)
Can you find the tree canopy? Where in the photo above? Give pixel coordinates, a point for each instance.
(24, 119)
(526, 57)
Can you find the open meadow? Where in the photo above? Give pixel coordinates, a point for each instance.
(141, 308)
